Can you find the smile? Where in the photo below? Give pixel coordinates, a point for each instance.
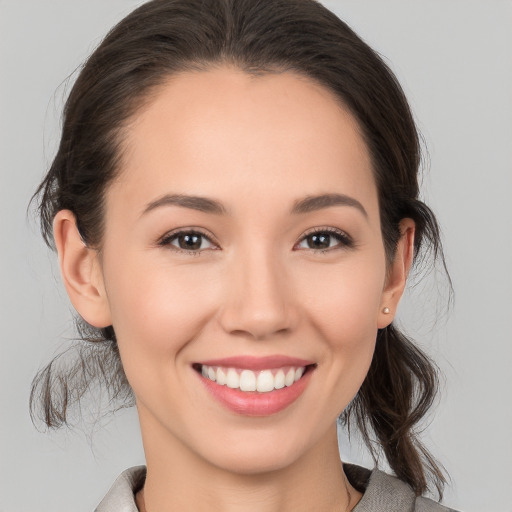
(255, 386)
(262, 381)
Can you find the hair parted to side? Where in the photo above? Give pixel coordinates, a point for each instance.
(165, 37)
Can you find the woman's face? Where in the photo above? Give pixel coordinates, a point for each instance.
(243, 233)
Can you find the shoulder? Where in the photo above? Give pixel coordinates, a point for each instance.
(383, 492)
(427, 505)
(121, 496)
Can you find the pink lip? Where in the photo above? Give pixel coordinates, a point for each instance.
(257, 363)
(253, 403)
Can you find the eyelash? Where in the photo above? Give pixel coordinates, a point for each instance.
(345, 241)
(166, 240)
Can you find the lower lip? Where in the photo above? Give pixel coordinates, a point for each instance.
(252, 403)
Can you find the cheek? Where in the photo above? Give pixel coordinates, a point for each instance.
(157, 311)
(156, 314)
(344, 302)
(343, 310)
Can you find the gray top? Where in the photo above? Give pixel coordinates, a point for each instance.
(381, 492)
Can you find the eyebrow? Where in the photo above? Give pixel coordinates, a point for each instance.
(207, 205)
(313, 203)
(202, 204)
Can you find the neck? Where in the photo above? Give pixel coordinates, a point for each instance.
(178, 479)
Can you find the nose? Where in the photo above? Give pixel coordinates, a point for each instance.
(259, 301)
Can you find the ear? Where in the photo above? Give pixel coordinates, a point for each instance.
(397, 274)
(81, 271)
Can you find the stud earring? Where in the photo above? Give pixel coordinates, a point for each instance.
(386, 311)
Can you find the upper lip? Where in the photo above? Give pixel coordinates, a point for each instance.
(257, 363)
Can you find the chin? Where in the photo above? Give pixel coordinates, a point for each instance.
(257, 452)
(256, 462)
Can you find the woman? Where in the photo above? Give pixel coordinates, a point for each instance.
(235, 207)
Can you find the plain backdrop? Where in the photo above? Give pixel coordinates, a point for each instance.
(453, 58)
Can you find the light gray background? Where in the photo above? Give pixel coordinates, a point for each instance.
(453, 58)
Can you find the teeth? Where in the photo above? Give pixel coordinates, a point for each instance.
(221, 377)
(279, 380)
(232, 379)
(290, 377)
(266, 382)
(247, 380)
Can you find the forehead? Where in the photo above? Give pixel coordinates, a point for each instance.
(226, 133)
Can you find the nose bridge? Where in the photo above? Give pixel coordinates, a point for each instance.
(258, 300)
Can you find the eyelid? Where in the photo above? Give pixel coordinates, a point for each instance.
(165, 240)
(345, 240)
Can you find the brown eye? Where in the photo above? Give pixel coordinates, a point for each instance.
(188, 241)
(319, 241)
(323, 240)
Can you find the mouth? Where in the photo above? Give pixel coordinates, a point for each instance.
(247, 380)
(253, 389)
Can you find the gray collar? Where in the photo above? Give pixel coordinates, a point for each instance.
(121, 497)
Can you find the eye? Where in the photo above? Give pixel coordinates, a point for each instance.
(190, 241)
(325, 239)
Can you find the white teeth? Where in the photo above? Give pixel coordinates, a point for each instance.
(265, 382)
(221, 377)
(290, 377)
(248, 380)
(279, 380)
(232, 379)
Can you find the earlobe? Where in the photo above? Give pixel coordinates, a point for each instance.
(81, 271)
(397, 274)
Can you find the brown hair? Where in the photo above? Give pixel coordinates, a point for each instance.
(163, 37)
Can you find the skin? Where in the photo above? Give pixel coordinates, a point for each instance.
(256, 145)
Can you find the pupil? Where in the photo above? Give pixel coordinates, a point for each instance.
(190, 242)
(319, 241)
